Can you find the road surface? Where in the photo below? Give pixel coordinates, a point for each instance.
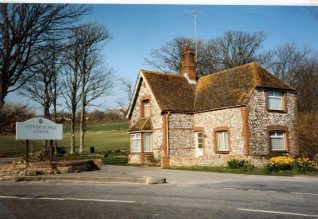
(187, 195)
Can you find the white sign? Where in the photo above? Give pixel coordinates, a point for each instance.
(39, 129)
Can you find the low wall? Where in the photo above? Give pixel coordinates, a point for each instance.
(142, 158)
(214, 160)
(21, 168)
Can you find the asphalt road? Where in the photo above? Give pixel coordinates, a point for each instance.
(223, 196)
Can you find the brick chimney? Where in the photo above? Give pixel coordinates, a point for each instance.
(188, 64)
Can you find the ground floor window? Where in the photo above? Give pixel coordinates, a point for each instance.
(147, 142)
(277, 140)
(222, 140)
(199, 137)
(135, 140)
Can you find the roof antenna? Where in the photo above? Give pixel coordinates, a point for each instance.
(196, 13)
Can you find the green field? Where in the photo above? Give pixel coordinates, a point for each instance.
(110, 136)
(122, 126)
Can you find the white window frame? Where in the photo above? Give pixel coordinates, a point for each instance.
(199, 144)
(135, 139)
(197, 139)
(145, 142)
(274, 135)
(224, 135)
(275, 95)
(146, 106)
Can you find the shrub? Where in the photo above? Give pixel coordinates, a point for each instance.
(307, 130)
(304, 165)
(11, 113)
(235, 163)
(280, 163)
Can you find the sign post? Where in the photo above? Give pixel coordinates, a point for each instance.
(38, 129)
(27, 150)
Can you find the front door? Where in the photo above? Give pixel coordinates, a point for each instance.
(199, 144)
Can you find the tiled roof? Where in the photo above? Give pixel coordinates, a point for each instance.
(172, 92)
(142, 124)
(224, 89)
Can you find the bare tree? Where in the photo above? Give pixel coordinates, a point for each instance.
(285, 59)
(12, 113)
(43, 87)
(167, 57)
(95, 78)
(23, 29)
(305, 79)
(308, 134)
(71, 84)
(234, 48)
(127, 87)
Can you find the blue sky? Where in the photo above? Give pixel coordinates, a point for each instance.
(137, 29)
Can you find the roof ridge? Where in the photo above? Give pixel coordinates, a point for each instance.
(160, 73)
(225, 70)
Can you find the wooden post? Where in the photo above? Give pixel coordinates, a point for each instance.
(51, 150)
(27, 151)
(55, 146)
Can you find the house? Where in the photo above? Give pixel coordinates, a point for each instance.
(183, 120)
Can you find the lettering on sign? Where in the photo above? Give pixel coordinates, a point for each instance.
(39, 129)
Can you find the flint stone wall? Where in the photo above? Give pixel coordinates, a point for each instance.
(260, 119)
(230, 118)
(181, 139)
(156, 117)
(215, 160)
(156, 120)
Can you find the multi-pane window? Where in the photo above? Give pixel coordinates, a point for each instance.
(147, 142)
(199, 137)
(146, 105)
(222, 141)
(275, 100)
(277, 140)
(135, 142)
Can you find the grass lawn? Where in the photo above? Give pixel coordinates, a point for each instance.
(103, 137)
(110, 159)
(121, 126)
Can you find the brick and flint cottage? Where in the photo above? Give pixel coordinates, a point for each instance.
(180, 119)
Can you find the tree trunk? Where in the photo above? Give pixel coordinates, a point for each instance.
(74, 101)
(83, 104)
(73, 133)
(82, 122)
(55, 100)
(82, 133)
(2, 95)
(46, 107)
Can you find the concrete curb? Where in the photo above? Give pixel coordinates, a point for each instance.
(139, 180)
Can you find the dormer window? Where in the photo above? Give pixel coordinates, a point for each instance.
(146, 108)
(275, 100)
